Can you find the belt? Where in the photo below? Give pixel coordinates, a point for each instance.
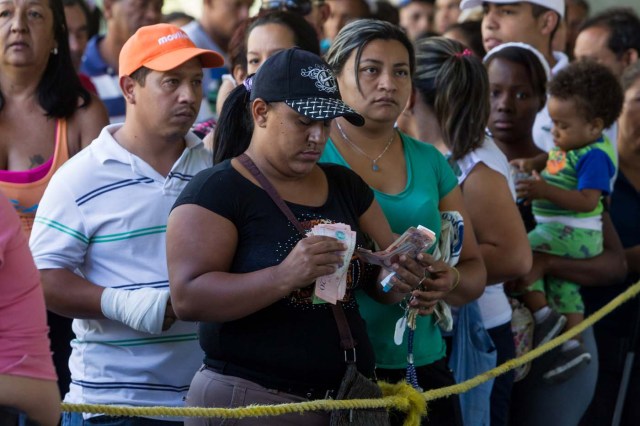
(229, 369)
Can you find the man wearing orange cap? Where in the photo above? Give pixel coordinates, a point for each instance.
(99, 236)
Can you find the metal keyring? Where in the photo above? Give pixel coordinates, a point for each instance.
(420, 283)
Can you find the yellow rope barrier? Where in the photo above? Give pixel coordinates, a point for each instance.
(400, 396)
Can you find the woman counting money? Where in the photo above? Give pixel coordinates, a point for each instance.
(239, 265)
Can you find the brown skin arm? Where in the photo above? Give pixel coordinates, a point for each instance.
(608, 268)
(72, 296)
(38, 398)
(632, 255)
(86, 124)
(442, 281)
(529, 165)
(200, 249)
(408, 271)
(582, 201)
(498, 226)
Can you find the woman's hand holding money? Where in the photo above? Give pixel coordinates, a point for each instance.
(312, 257)
(408, 274)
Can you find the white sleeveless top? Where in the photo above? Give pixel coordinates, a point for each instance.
(494, 306)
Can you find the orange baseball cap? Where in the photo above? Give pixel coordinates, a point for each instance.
(162, 47)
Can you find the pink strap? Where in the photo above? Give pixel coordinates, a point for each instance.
(26, 176)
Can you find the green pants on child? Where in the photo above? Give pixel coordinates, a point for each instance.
(562, 240)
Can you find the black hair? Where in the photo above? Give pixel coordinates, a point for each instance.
(472, 32)
(59, 88)
(581, 3)
(79, 3)
(454, 83)
(356, 35)
(304, 35)
(538, 10)
(93, 15)
(385, 11)
(630, 75)
(235, 126)
(623, 25)
(531, 63)
(404, 3)
(594, 89)
(174, 16)
(238, 45)
(140, 75)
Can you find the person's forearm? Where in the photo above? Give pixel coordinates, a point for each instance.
(574, 200)
(539, 162)
(503, 266)
(70, 295)
(605, 269)
(633, 259)
(608, 268)
(223, 296)
(473, 276)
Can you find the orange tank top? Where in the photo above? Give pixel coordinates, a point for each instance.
(25, 197)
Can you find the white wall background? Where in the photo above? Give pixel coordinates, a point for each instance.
(597, 5)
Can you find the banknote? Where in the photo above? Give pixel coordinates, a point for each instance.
(413, 241)
(333, 287)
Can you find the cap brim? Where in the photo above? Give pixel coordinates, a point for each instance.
(468, 4)
(558, 8)
(173, 59)
(325, 109)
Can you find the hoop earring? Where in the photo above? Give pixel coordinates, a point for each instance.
(54, 51)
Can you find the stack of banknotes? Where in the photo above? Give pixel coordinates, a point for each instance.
(331, 288)
(412, 242)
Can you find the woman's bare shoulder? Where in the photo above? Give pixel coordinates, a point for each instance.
(86, 123)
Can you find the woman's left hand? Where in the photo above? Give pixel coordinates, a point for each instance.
(437, 281)
(409, 275)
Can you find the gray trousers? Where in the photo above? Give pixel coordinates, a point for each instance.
(211, 389)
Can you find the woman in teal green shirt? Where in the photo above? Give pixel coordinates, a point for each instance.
(373, 62)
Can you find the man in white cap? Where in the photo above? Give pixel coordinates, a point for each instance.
(99, 235)
(533, 22)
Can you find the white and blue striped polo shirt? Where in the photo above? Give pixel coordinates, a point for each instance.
(105, 79)
(105, 214)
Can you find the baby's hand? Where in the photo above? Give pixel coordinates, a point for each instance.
(525, 165)
(532, 189)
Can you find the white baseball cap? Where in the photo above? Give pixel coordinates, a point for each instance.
(555, 5)
(536, 52)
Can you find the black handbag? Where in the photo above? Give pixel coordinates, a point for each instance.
(354, 385)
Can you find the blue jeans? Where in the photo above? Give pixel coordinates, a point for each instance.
(75, 419)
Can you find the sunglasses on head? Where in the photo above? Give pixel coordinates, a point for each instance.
(301, 7)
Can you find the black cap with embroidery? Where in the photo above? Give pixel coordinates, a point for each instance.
(304, 82)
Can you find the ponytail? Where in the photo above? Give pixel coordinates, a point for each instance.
(462, 103)
(235, 126)
(454, 83)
